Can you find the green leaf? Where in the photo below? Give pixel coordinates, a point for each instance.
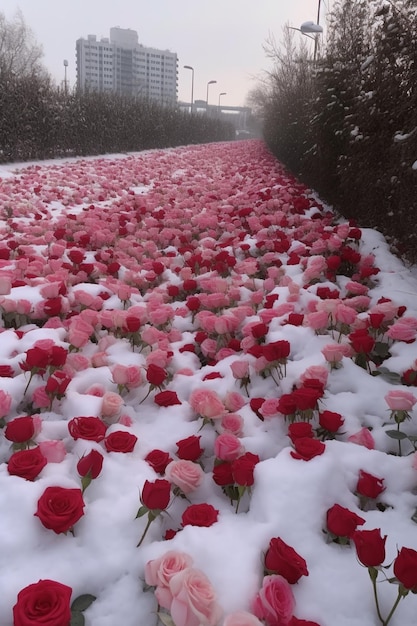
(396, 434)
(391, 377)
(77, 619)
(83, 602)
(165, 619)
(142, 511)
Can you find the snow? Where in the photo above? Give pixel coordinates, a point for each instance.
(290, 497)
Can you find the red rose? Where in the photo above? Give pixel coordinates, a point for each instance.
(166, 398)
(20, 429)
(255, 404)
(158, 460)
(287, 404)
(370, 546)
(155, 375)
(76, 256)
(361, 342)
(333, 262)
(57, 356)
(342, 522)
(189, 449)
(6, 371)
(156, 495)
(276, 350)
(193, 303)
(243, 467)
(200, 515)
(46, 603)
(298, 430)
(90, 464)
(132, 324)
(120, 441)
(284, 560)
(89, 428)
(57, 384)
(295, 319)
(35, 358)
(331, 421)
(405, 568)
(60, 508)
(222, 474)
(26, 463)
(307, 448)
(294, 621)
(53, 306)
(259, 330)
(306, 397)
(369, 486)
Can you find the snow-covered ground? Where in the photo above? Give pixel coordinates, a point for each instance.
(211, 273)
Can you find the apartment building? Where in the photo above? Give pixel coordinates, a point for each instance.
(120, 64)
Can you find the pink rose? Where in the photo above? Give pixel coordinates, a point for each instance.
(363, 438)
(159, 572)
(207, 404)
(275, 601)
(400, 400)
(193, 599)
(53, 451)
(111, 405)
(233, 423)
(184, 474)
(241, 618)
(234, 401)
(129, 376)
(227, 447)
(5, 403)
(240, 369)
(334, 352)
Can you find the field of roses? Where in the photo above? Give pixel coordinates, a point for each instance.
(207, 398)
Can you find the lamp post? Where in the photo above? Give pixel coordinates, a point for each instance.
(65, 76)
(188, 67)
(223, 93)
(211, 82)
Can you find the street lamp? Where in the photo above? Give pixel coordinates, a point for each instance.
(65, 76)
(312, 30)
(188, 67)
(223, 93)
(211, 82)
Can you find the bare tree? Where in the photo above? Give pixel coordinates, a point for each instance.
(19, 52)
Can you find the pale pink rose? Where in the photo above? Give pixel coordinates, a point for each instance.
(128, 375)
(5, 403)
(343, 230)
(317, 372)
(96, 390)
(90, 316)
(194, 601)
(241, 618)
(40, 398)
(274, 602)
(125, 420)
(403, 330)
(99, 359)
(388, 309)
(269, 408)
(233, 423)
(227, 447)
(207, 403)
(79, 332)
(334, 352)
(23, 307)
(83, 298)
(124, 292)
(226, 324)
(240, 369)
(53, 451)
(317, 320)
(363, 438)
(111, 405)
(345, 314)
(356, 288)
(151, 335)
(209, 347)
(234, 401)
(224, 353)
(400, 400)
(158, 357)
(184, 474)
(5, 285)
(159, 572)
(359, 303)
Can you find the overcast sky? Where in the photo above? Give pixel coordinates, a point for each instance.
(222, 39)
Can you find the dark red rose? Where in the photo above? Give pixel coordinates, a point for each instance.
(20, 429)
(342, 522)
(59, 508)
(120, 441)
(57, 384)
(26, 463)
(376, 320)
(158, 460)
(57, 356)
(222, 474)
(331, 421)
(199, 515)
(155, 375)
(255, 404)
(53, 306)
(369, 486)
(276, 350)
(35, 358)
(189, 449)
(170, 534)
(259, 331)
(90, 464)
(306, 398)
(132, 324)
(243, 468)
(193, 303)
(295, 319)
(190, 284)
(45, 603)
(298, 430)
(370, 546)
(6, 371)
(333, 262)
(361, 342)
(212, 376)
(156, 494)
(76, 256)
(405, 568)
(307, 448)
(286, 404)
(282, 559)
(89, 428)
(166, 398)
(294, 621)
(409, 377)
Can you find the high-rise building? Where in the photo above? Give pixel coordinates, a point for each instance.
(120, 64)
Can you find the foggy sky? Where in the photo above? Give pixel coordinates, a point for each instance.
(222, 39)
